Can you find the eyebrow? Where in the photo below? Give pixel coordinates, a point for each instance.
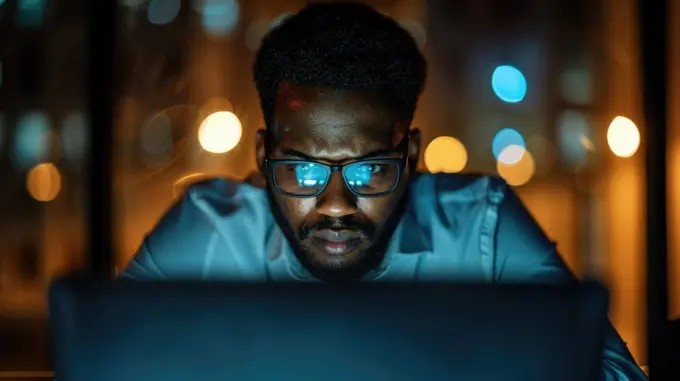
(304, 156)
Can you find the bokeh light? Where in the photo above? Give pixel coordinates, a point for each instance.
(30, 13)
(219, 17)
(33, 140)
(511, 154)
(508, 146)
(162, 12)
(509, 84)
(132, 4)
(74, 136)
(445, 154)
(623, 137)
(220, 132)
(573, 131)
(519, 173)
(43, 182)
(587, 144)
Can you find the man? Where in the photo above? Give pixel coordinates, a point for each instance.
(338, 85)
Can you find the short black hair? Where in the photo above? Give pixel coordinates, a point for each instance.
(345, 46)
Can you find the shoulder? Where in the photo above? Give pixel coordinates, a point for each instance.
(487, 207)
(213, 202)
(494, 196)
(215, 216)
(461, 205)
(460, 188)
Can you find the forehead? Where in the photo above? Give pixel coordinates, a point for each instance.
(327, 122)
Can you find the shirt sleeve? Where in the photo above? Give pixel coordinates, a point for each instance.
(525, 254)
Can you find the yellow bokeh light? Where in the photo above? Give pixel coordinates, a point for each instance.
(519, 173)
(445, 154)
(623, 137)
(43, 182)
(220, 132)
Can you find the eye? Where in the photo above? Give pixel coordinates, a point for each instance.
(376, 168)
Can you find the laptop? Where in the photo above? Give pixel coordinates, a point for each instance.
(136, 331)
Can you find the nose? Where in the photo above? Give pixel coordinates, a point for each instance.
(336, 200)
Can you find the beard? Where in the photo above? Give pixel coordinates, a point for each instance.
(351, 267)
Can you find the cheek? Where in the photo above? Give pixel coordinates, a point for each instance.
(378, 209)
(297, 209)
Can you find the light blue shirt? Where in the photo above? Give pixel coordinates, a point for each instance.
(455, 227)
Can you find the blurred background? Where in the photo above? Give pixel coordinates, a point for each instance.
(544, 93)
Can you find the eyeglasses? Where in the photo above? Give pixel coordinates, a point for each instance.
(364, 178)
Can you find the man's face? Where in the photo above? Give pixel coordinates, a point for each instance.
(337, 235)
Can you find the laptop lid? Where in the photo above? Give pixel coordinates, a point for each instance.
(132, 331)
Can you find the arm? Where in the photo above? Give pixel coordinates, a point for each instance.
(525, 254)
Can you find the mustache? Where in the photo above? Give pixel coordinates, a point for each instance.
(366, 230)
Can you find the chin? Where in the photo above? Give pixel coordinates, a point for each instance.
(339, 268)
(332, 262)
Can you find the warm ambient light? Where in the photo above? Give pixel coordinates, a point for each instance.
(180, 186)
(43, 182)
(445, 154)
(220, 132)
(623, 137)
(519, 173)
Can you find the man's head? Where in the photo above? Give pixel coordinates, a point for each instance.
(338, 85)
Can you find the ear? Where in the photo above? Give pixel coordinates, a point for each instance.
(413, 149)
(261, 151)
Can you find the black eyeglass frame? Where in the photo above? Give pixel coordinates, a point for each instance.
(271, 165)
(403, 146)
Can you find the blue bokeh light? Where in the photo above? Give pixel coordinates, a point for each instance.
(572, 128)
(162, 12)
(74, 136)
(30, 13)
(33, 140)
(505, 138)
(220, 17)
(509, 84)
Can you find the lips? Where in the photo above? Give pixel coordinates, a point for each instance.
(336, 242)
